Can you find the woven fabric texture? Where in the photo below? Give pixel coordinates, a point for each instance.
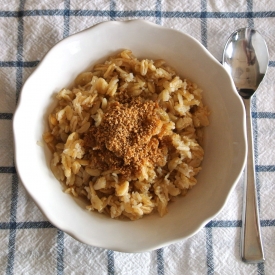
(32, 245)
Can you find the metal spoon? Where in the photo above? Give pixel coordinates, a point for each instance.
(245, 57)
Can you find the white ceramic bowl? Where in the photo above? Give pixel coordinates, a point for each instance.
(225, 145)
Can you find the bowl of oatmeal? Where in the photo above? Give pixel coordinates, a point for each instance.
(130, 137)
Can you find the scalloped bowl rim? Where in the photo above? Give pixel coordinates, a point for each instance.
(167, 233)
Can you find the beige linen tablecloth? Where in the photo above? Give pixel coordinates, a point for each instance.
(29, 243)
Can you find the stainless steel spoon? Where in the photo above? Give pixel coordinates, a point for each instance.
(245, 57)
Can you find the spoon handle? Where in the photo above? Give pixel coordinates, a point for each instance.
(251, 241)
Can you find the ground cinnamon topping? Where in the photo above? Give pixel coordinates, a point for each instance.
(127, 137)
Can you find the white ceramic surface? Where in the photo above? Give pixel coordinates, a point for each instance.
(225, 145)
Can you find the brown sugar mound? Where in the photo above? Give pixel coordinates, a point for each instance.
(127, 138)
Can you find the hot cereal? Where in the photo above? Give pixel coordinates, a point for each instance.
(127, 137)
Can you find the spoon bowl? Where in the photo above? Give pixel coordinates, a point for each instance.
(245, 57)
